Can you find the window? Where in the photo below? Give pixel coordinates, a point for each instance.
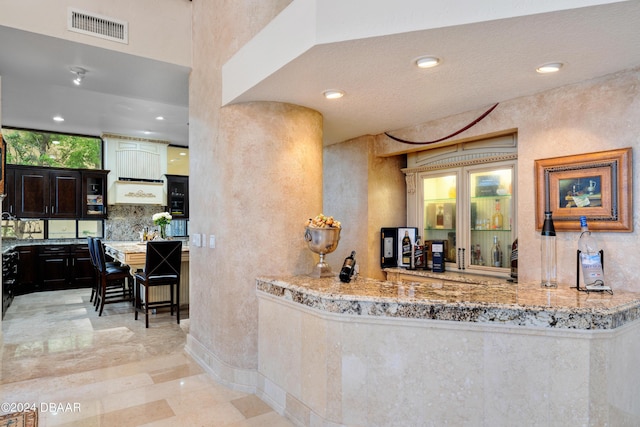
(40, 148)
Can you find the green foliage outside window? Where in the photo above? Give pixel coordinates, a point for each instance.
(36, 148)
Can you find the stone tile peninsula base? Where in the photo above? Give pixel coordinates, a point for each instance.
(326, 358)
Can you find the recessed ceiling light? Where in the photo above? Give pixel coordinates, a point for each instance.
(427, 61)
(333, 94)
(159, 118)
(58, 119)
(147, 132)
(552, 67)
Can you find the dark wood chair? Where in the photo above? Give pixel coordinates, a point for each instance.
(96, 285)
(113, 280)
(94, 262)
(162, 268)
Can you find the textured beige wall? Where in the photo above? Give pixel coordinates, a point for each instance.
(366, 193)
(256, 174)
(591, 116)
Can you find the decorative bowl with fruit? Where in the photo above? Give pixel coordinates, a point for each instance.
(322, 234)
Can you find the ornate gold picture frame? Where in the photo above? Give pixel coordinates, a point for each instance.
(596, 185)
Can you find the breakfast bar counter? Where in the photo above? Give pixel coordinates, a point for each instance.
(447, 349)
(133, 254)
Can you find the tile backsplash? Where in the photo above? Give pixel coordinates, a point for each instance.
(127, 221)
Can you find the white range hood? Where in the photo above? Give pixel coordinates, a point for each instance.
(137, 167)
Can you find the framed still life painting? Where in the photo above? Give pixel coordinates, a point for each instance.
(596, 185)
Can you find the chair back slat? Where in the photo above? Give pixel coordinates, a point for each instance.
(92, 251)
(99, 254)
(163, 258)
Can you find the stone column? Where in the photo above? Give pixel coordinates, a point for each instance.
(253, 188)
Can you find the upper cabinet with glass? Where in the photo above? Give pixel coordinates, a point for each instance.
(464, 195)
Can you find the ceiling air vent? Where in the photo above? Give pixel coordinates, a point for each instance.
(98, 26)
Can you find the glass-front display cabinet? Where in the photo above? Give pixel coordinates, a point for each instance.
(465, 196)
(94, 203)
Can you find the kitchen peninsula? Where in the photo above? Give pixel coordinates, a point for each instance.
(448, 350)
(133, 254)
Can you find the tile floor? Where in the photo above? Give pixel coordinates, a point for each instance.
(82, 370)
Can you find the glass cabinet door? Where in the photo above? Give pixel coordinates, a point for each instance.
(94, 203)
(490, 217)
(439, 210)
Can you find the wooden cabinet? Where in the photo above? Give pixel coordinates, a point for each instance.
(94, 194)
(37, 192)
(46, 193)
(9, 202)
(27, 270)
(465, 196)
(178, 195)
(53, 265)
(82, 273)
(9, 276)
(64, 267)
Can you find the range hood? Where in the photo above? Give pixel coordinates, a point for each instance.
(137, 167)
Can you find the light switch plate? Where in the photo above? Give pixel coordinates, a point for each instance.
(212, 241)
(197, 240)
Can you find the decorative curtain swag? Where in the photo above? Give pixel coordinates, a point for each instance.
(470, 125)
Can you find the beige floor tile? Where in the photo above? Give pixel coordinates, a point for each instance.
(58, 353)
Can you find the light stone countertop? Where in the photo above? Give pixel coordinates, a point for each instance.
(134, 253)
(491, 301)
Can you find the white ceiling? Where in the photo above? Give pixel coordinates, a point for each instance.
(120, 93)
(483, 63)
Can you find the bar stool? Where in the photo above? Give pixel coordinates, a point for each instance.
(162, 268)
(94, 262)
(113, 280)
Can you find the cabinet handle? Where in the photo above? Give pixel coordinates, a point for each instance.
(46, 209)
(52, 210)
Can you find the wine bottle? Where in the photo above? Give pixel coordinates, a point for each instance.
(514, 260)
(548, 266)
(496, 253)
(440, 217)
(590, 260)
(496, 218)
(406, 249)
(348, 268)
(418, 254)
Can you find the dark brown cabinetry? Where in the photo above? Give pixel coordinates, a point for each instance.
(178, 195)
(82, 273)
(9, 202)
(9, 276)
(65, 267)
(27, 270)
(53, 267)
(94, 194)
(37, 192)
(46, 193)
